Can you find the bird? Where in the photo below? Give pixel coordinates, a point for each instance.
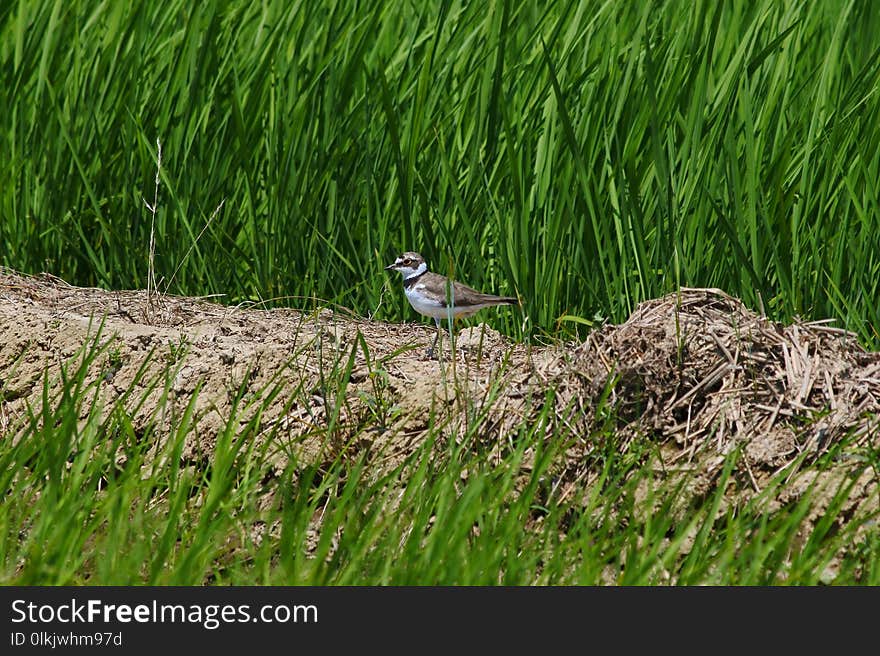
(438, 297)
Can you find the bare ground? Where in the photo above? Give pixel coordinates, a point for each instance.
(697, 374)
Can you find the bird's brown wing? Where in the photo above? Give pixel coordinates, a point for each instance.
(465, 296)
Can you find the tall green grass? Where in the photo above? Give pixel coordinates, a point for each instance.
(98, 493)
(586, 155)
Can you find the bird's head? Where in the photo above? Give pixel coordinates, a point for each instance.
(409, 264)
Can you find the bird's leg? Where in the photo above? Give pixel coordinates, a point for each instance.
(430, 352)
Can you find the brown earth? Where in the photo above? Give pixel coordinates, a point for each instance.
(695, 373)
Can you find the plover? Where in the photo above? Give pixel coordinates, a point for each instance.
(439, 297)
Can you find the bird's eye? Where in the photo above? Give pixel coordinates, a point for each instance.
(407, 262)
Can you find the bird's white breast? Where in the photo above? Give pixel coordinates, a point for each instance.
(423, 304)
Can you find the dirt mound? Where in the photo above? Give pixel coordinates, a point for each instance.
(695, 373)
(702, 375)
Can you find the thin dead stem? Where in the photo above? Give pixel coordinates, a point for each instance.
(151, 262)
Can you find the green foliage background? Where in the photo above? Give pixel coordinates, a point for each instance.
(585, 155)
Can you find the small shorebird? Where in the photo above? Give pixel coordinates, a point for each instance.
(439, 297)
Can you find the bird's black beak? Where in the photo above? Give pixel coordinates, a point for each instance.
(391, 266)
